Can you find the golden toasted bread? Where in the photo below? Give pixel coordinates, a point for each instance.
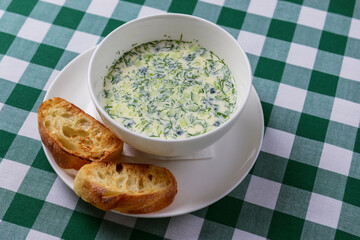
(73, 137)
(126, 187)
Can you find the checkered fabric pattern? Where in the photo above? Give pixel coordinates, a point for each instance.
(305, 57)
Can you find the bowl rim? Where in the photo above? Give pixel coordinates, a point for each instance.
(233, 116)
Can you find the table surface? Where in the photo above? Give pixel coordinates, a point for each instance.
(305, 58)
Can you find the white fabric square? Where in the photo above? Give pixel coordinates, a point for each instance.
(12, 174)
(354, 31)
(240, 235)
(62, 195)
(346, 112)
(312, 17)
(1, 105)
(36, 235)
(278, 142)
(57, 2)
(263, 8)
(149, 11)
(216, 2)
(324, 210)
(350, 68)
(81, 41)
(184, 227)
(1, 13)
(262, 192)
(30, 127)
(301, 55)
(290, 97)
(12, 68)
(103, 8)
(251, 42)
(120, 219)
(336, 159)
(51, 79)
(34, 30)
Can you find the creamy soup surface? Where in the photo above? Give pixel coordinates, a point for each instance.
(169, 89)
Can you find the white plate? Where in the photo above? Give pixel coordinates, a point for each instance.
(200, 182)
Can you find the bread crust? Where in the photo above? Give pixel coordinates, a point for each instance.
(98, 184)
(72, 158)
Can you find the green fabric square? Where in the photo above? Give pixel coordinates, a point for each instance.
(344, 235)
(81, 226)
(293, 201)
(323, 83)
(207, 11)
(110, 26)
(343, 7)
(281, 30)
(89, 209)
(38, 102)
(126, 11)
(91, 23)
(6, 41)
(200, 213)
(278, 230)
(294, 1)
(212, 230)
(318, 4)
(266, 89)
(11, 119)
(316, 231)
(253, 59)
(256, 24)
(269, 69)
(23, 210)
(328, 62)
(287, 11)
(52, 219)
(6, 89)
(240, 191)
(23, 97)
(43, 179)
(355, 166)
(349, 220)
(4, 4)
(296, 76)
(23, 150)
(275, 49)
(284, 119)
(306, 151)
(69, 18)
(302, 34)
(352, 48)
(352, 192)
(267, 108)
(231, 18)
(179, 6)
(137, 234)
(13, 231)
(41, 162)
(35, 76)
(233, 32)
(47, 55)
(21, 7)
(140, 2)
(225, 211)
(154, 226)
(110, 230)
(58, 36)
(318, 105)
(312, 127)
(332, 42)
(81, 5)
(17, 49)
(11, 23)
(45, 11)
(239, 5)
(330, 184)
(341, 135)
(348, 89)
(6, 197)
(254, 219)
(337, 24)
(159, 4)
(65, 59)
(300, 175)
(357, 142)
(270, 166)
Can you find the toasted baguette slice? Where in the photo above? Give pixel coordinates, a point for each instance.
(126, 187)
(73, 137)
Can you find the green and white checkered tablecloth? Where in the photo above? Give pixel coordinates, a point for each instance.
(305, 57)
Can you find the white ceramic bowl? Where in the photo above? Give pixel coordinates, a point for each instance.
(154, 28)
